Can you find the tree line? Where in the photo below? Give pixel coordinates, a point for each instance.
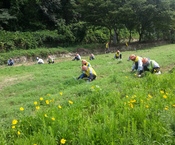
(88, 21)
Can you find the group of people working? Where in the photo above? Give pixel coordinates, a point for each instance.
(50, 60)
(78, 57)
(142, 64)
(10, 61)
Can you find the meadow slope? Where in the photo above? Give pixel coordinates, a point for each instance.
(113, 109)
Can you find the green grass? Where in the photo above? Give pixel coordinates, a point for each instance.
(116, 108)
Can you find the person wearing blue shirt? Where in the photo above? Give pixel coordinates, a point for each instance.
(10, 62)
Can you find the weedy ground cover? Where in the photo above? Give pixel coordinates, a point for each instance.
(45, 104)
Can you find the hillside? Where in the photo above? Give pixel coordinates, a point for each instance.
(45, 104)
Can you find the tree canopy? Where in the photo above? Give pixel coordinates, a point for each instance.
(150, 19)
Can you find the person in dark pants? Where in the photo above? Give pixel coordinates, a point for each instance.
(151, 66)
(118, 55)
(10, 62)
(88, 73)
(77, 57)
(91, 57)
(50, 60)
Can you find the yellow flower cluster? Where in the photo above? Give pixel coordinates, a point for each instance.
(63, 141)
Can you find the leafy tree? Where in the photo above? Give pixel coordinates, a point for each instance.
(65, 34)
(4, 18)
(128, 16)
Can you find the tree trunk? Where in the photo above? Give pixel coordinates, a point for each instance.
(117, 35)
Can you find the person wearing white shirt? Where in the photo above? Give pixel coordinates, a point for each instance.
(39, 60)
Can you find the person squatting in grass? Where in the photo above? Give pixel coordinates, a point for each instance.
(86, 63)
(88, 73)
(151, 66)
(39, 60)
(118, 55)
(138, 64)
(10, 62)
(77, 57)
(50, 60)
(91, 57)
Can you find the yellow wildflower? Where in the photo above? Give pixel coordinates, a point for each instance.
(131, 105)
(63, 141)
(134, 96)
(149, 96)
(133, 101)
(41, 98)
(166, 108)
(19, 132)
(14, 121)
(70, 102)
(61, 93)
(147, 106)
(13, 127)
(53, 118)
(47, 102)
(21, 109)
(173, 105)
(37, 107)
(59, 106)
(164, 96)
(162, 92)
(45, 115)
(35, 103)
(126, 96)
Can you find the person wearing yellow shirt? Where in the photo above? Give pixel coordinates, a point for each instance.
(107, 48)
(138, 64)
(88, 73)
(118, 55)
(86, 63)
(50, 60)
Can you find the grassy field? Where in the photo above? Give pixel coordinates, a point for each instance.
(46, 105)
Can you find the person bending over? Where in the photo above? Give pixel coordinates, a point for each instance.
(88, 73)
(138, 64)
(10, 62)
(151, 66)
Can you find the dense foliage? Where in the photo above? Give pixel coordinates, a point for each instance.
(74, 19)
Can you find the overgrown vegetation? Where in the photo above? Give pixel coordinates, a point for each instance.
(88, 21)
(45, 104)
(48, 39)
